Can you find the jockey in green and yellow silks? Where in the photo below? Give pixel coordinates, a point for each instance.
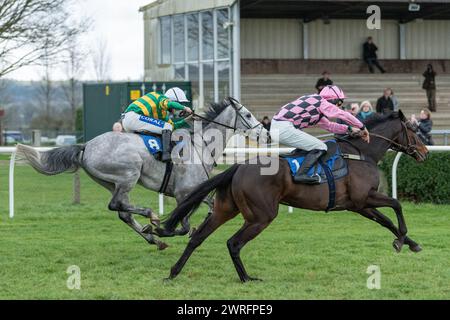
(151, 113)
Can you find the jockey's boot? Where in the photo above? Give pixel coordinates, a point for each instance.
(166, 145)
(310, 160)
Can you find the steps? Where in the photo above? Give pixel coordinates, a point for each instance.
(265, 94)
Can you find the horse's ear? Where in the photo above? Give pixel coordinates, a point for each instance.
(227, 101)
(233, 101)
(401, 116)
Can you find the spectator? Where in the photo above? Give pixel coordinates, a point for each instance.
(429, 85)
(117, 127)
(366, 111)
(424, 126)
(384, 103)
(394, 101)
(324, 81)
(266, 123)
(370, 55)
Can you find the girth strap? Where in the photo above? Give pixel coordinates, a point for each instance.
(331, 186)
(167, 175)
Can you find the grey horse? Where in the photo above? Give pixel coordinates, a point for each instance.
(119, 161)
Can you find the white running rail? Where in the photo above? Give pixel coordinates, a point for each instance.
(228, 151)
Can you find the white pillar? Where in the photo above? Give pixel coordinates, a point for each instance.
(236, 59)
(305, 41)
(216, 71)
(394, 175)
(161, 204)
(11, 184)
(402, 40)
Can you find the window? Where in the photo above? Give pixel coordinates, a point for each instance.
(178, 38)
(166, 39)
(223, 39)
(193, 36)
(207, 35)
(223, 71)
(198, 45)
(194, 78)
(180, 73)
(208, 82)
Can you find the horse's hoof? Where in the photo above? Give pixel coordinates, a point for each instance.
(162, 246)
(416, 248)
(170, 278)
(250, 279)
(398, 245)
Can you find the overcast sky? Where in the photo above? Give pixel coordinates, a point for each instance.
(121, 24)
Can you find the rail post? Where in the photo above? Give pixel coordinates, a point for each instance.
(12, 163)
(394, 174)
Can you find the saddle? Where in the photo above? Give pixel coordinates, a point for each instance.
(153, 142)
(332, 160)
(298, 153)
(330, 167)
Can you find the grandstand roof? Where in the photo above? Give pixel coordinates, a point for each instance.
(310, 10)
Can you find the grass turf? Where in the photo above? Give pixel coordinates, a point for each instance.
(304, 255)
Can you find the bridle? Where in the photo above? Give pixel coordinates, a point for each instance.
(237, 106)
(410, 148)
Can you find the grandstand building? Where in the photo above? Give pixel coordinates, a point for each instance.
(273, 50)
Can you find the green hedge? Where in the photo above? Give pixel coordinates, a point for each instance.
(421, 182)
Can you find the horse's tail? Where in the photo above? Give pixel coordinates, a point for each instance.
(195, 198)
(52, 162)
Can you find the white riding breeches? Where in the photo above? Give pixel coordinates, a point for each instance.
(285, 133)
(133, 122)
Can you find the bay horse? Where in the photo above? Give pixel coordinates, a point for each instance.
(357, 192)
(118, 161)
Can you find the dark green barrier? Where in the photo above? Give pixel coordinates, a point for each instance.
(103, 103)
(421, 182)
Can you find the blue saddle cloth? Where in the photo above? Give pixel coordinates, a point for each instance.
(153, 144)
(333, 160)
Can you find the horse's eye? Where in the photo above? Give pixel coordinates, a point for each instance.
(249, 116)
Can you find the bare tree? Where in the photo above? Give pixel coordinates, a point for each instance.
(30, 29)
(4, 97)
(45, 89)
(3, 102)
(101, 60)
(74, 69)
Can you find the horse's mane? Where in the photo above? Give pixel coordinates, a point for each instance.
(376, 119)
(215, 109)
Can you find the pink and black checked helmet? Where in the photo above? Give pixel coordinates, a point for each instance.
(333, 94)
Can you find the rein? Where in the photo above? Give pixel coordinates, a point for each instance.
(237, 111)
(409, 149)
(233, 103)
(212, 121)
